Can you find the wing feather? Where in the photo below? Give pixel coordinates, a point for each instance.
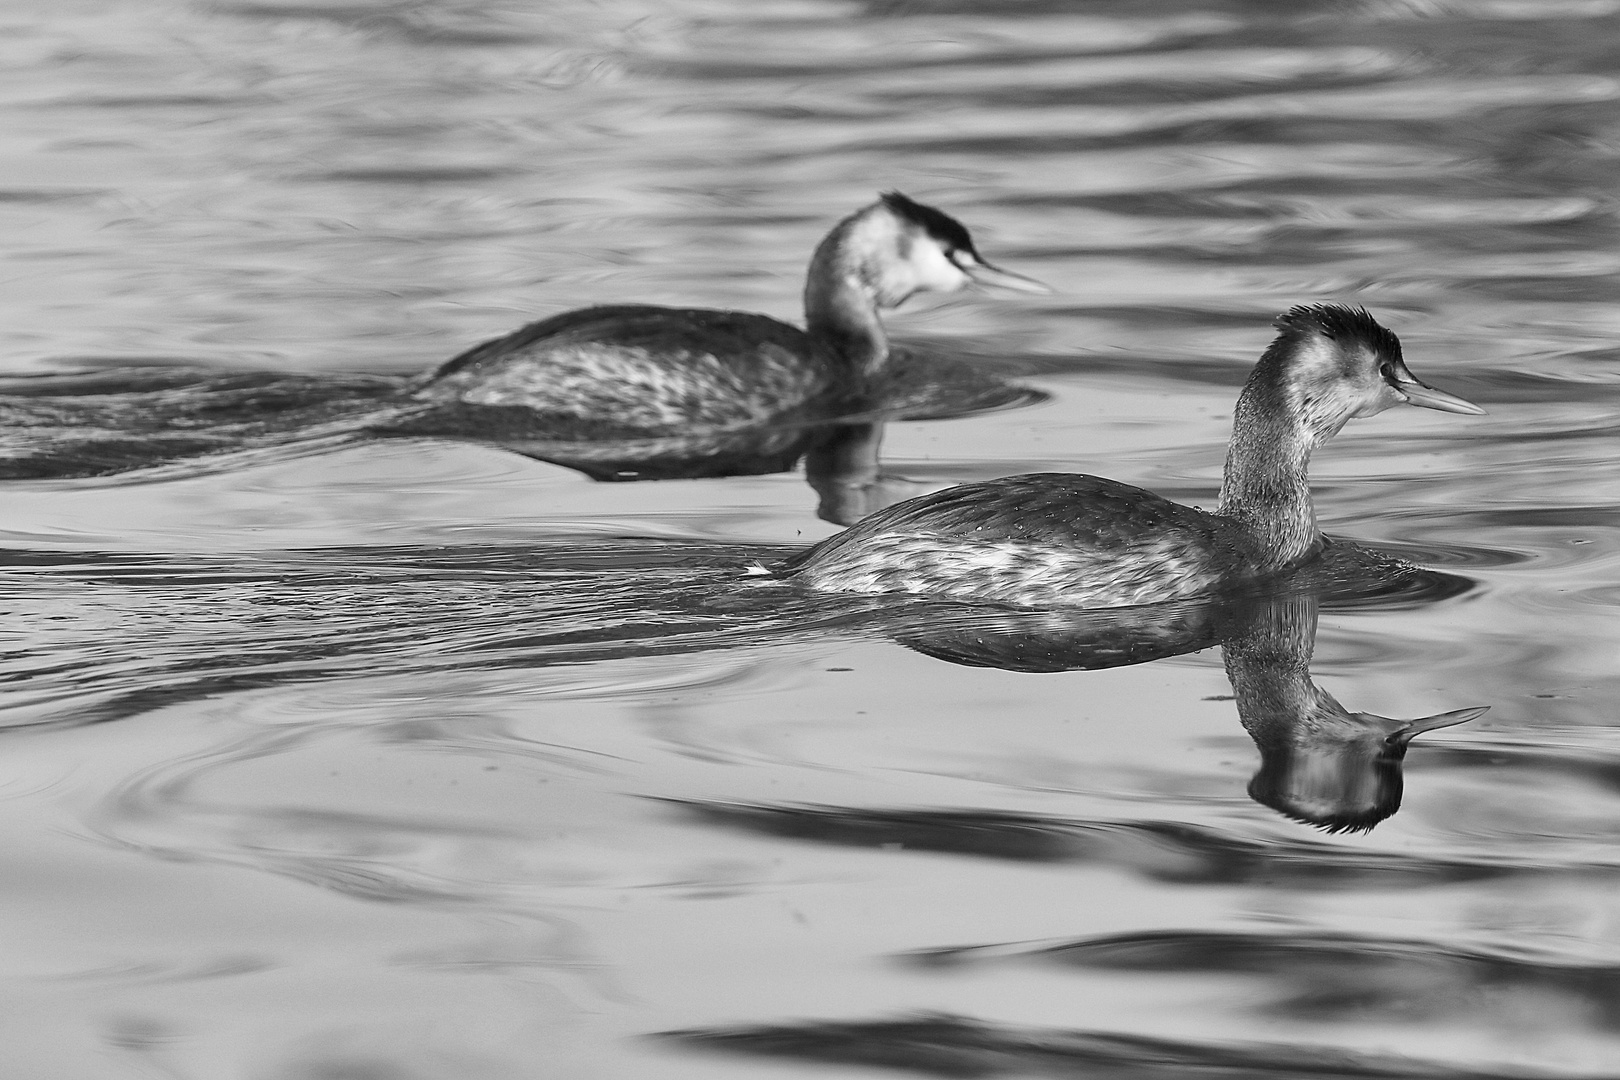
(641, 366)
(1040, 538)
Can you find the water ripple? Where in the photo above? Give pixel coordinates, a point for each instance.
(1166, 851)
(961, 1047)
(1322, 976)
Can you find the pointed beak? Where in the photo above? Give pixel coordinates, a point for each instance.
(1434, 723)
(1425, 396)
(987, 276)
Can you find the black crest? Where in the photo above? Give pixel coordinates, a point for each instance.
(952, 234)
(1343, 324)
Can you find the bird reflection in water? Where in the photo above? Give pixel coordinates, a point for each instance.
(1320, 763)
(841, 461)
(846, 472)
(332, 613)
(166, 423)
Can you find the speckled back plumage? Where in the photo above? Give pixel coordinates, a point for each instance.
(1037, 539)
(647, 367)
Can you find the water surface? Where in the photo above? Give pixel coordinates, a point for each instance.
(416, 757)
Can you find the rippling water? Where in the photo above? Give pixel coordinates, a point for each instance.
(333, 755)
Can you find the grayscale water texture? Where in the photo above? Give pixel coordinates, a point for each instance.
(326, 755)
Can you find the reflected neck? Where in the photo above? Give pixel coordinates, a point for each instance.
(1318, 763)
(1268, 663)
(843, 470)
(840, 311)
(1265, 486)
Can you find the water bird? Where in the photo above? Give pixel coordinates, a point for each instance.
(1049, 539)
(639, 367)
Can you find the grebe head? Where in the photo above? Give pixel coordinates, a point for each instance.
(903, 247)
(1337, 363)
(877, 258)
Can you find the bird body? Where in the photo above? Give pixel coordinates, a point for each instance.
(659, 369)
(1069, 538)
(642, 367)
(1047, 539)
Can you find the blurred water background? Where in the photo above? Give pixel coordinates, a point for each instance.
(416, 758)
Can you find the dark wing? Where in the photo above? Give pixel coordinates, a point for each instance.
(724, 334)
(1062, 511)
(1039, 540)
(647, 368)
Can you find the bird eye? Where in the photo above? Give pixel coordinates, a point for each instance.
(1387, 370)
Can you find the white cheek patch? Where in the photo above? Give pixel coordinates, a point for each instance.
(1386, 397)
(1328, 394)
(932, 270)
(1318, 361)
(1326, 409)
(925, 269)
(898, 259)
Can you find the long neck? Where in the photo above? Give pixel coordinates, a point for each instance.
(1265, 486)
(1268, 662)
(840, 312)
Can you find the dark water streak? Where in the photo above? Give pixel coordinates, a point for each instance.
(955, 1046)
(1319, 975)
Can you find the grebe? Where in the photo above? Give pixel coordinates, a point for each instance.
(1068, 539)
(646, 368)
(1320, 763)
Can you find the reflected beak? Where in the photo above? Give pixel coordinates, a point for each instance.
(1427, 397)
(1415, 728)
(983, 274)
